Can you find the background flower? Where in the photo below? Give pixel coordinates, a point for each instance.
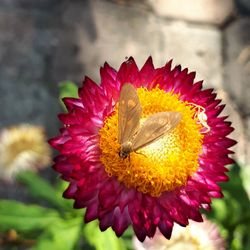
(196, 236)
(23, 147)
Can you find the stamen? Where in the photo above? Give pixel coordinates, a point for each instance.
(201, 116)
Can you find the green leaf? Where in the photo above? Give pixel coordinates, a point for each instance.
(219, 211)
(236, 188)
(232, 212)
(61, 235)
(102, 240)
(23, 218)
(67, 89)
(60, 187)
(127, 238)
(40, 188)
(235, 204)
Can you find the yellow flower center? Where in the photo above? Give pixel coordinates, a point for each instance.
(164, 164)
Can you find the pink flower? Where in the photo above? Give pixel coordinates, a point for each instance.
(167, 181)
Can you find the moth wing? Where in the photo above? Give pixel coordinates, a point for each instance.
(156, 126)
(129, 113)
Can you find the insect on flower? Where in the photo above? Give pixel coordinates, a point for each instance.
(130, 110)
(131, 136)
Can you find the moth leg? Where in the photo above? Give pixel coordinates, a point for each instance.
(140, 153)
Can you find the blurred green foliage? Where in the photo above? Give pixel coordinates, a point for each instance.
(232, 213)
(57, 227)
(102, 241)
(25, 218)
(67, 89)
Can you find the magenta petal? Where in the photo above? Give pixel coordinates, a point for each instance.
(139, 232)
(166, 228)
(106, 220)
(72, 103)
(70, 191)
(91, 212)
(129, 73)
(108, 82)
(195, 215)
(121, 221)
(108, 195)
(59, 141)
(147, 74)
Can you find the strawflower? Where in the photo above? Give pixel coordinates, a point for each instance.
(165, 182)
(23, 147)
(196, 236)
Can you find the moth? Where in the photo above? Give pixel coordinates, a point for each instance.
(132, 136)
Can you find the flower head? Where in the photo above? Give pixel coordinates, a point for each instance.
(168, 180)
(196, 236)
(22, 147)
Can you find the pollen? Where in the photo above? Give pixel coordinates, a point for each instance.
(165, 164)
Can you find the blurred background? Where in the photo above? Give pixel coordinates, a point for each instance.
(45, 42)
